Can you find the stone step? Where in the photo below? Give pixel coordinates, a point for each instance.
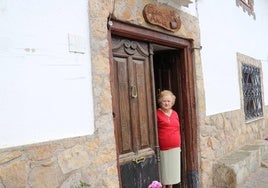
(232, 169)
(264, 162)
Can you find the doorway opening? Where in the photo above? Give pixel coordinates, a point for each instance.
(167, 76)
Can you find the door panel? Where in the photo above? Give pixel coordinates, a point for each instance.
(131, 173)
(124, 110)
(134, 112)
(144, 119)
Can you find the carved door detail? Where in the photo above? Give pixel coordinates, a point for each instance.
(134, 112)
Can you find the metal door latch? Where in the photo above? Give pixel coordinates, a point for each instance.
(139, 160)
(134, 93)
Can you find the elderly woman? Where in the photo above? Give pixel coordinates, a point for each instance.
(169, 139)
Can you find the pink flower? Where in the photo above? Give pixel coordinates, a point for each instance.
(155, 184)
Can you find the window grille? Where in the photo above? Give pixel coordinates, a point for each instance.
(251, 82)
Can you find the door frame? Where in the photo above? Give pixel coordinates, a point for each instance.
(189, 115)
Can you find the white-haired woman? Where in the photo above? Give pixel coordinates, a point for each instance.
(169, 140)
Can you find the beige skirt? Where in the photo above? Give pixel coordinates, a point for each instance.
(170, 166)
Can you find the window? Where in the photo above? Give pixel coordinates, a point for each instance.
(252, 93)
(248, 6)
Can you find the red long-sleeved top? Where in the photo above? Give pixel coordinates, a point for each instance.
(169, 135)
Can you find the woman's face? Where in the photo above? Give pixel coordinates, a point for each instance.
(167, 102)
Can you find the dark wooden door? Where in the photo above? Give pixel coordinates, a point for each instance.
(134, 112)
(167, 73)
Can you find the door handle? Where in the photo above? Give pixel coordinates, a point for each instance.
(134, 93)
(139, 160)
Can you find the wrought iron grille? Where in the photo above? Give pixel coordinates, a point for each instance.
(252, 92)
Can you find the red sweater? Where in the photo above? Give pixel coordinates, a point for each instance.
(169, 135)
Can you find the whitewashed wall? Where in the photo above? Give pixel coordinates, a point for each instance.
(188, 6)
(45, 80)
(226, 30)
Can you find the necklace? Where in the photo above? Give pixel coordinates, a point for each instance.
(168, 114)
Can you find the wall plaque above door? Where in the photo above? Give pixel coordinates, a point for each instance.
(162, 17)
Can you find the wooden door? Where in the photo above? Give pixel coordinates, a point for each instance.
(167, 73)
(134, 112)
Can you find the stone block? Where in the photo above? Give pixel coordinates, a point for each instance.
(72, 181)
(43, 177)
(9, 156)
(14, 175)
(73, 159)
(232, 169)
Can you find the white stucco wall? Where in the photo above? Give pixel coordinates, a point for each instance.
(45, 80)
(226, 30)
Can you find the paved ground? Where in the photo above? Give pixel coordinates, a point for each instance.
(257, 180)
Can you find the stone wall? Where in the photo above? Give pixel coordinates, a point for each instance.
(59, 164)
(131, 11)
(222, 134)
